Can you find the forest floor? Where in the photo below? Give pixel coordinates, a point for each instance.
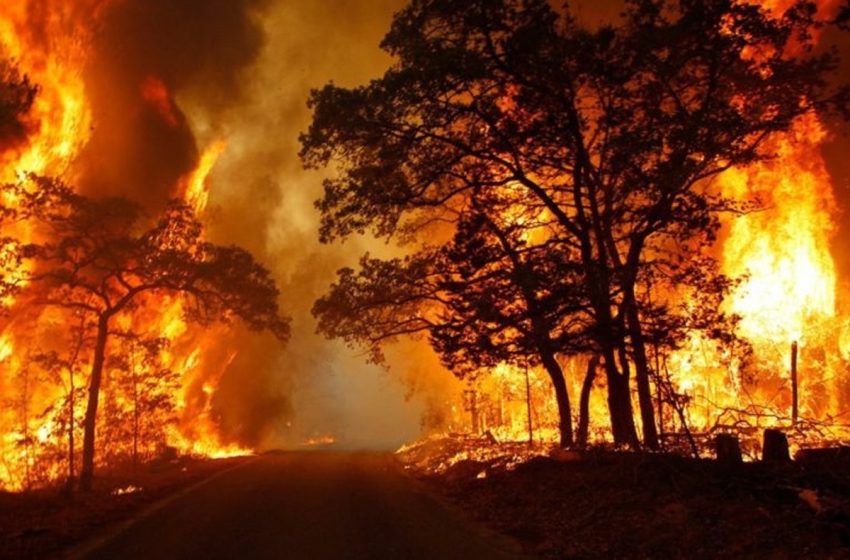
(47, 523)
(607, 504)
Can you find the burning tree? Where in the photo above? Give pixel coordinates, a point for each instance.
(615, 132)
(103, 260)
(485, 298)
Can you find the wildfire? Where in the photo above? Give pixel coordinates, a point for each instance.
(196, 187)
(787, 296)
(51, 46)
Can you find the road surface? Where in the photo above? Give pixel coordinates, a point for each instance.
(310, 505)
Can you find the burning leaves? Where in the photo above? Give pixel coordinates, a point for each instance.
(633, 158)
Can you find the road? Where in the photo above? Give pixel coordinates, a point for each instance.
(310, 505)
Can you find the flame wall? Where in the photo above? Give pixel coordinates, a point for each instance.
(151, 99)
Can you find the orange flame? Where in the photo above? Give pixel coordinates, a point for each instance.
(51, 45)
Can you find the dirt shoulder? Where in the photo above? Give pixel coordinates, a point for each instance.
(604, 504)
(48, 523)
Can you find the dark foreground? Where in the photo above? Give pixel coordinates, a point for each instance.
(603, 504)
(310, 505)
(44, 523)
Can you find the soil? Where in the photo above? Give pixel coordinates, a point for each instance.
(47, 523)
(608, 504)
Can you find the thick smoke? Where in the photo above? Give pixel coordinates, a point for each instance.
(167, 79)
(143, 51)
(264, 200)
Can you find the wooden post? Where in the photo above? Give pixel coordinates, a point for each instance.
(728, 450)
(794, 396)
(775, 447)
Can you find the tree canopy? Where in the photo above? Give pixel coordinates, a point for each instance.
(612, 134)
(103, 257)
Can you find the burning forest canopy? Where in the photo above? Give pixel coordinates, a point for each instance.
(583, 228)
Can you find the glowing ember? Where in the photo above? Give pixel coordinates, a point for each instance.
(319, 441)
(130, 489)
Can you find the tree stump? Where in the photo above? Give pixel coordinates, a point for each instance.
(775, 447)
(728, 449)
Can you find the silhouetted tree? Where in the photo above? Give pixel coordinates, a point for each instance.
(99, 257)
(484, 297)
(615, 130)
(64, 369)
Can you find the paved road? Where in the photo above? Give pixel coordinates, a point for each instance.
(310, 505)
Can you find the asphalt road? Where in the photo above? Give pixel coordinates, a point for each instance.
(310, 505)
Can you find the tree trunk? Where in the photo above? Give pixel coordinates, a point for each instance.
(728, 450)
(584, 403)
(135, 418)
(620, 404)
(528, 407)
(87, 469)
(775, 447)
(647, 411)
(71, 431)
(562, 397)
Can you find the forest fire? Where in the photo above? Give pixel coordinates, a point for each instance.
(583, 265)
(162, 379)
(787, 299)
(727, 323)
(164, 369)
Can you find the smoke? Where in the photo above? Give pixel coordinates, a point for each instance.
(143, 52)
(264, 201)
(166, 79)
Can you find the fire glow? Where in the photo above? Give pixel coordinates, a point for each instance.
(788, 298)
(53, 52)
(788, 301)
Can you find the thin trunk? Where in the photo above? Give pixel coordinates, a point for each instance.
(135, 411)
(71, 430)
(794, 394)
(26, 421)
(584, 403)
(641, 362)
(72, 403)
(659, 399)
(135, 424)
(528, 407)
(87, 471)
